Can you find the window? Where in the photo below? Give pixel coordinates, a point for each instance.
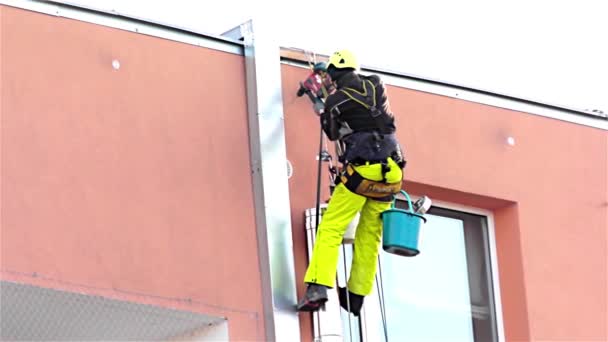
(446, 293)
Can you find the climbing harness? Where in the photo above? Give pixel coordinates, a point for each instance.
(367, 98)
(378, 190)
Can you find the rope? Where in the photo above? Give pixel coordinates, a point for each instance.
(318, 202)
(311, 59)
(322, 148)
(317, 212)
(332, 180)
(380, 289)
(350, 328)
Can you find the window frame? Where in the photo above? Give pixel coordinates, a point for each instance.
(495, 278)
(493, 262)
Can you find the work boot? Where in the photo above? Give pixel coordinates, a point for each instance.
(314, 298)
(355, 301)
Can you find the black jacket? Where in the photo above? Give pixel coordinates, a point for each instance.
(344, 115)
(364, 124)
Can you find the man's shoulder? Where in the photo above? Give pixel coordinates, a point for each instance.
(374, 78)
(334, 98)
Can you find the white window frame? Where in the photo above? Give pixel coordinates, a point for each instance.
(493, 259)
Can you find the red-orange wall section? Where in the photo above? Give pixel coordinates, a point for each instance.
(125, 182)
(129, 183)
(548, 194)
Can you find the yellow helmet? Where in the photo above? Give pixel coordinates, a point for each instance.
(343, 59)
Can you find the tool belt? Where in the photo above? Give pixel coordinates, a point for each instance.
(377, 190)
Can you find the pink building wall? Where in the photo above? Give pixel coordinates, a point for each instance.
(134, 183)
(548, 193)
(129, 181)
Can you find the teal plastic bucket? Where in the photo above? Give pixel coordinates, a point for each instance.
(401, 229)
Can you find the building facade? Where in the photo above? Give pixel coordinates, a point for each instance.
(157, 184)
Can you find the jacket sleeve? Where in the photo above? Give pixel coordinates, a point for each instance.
(329, 119)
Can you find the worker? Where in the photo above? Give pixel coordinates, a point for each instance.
(358, 117)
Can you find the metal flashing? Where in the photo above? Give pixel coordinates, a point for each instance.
(270, 183)
(595, 119)
(127, 23)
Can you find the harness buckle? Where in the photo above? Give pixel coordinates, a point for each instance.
(385, 169)
(375, 112)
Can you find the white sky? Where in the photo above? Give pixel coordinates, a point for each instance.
(550, 51)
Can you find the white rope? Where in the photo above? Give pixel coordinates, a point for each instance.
(380, 290)
(350, 328)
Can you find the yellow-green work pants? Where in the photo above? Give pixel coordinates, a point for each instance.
(342, 208)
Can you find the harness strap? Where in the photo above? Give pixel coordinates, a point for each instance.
(368, 100)
(377, 190)
(384, 166)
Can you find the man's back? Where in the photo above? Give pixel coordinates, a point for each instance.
(352, 107)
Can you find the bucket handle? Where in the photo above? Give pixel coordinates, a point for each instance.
(409, 201)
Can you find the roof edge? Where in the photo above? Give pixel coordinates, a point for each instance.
(74, 5)
(300, 56)
(126, 22)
